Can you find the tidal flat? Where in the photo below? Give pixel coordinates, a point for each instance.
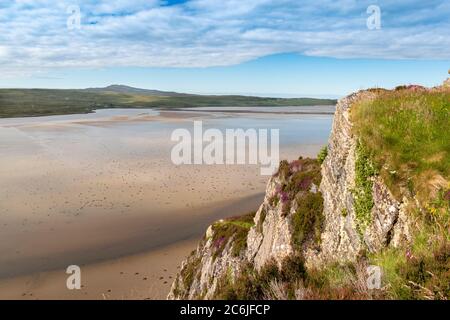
(99, 190)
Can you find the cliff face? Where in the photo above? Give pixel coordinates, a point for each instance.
(219, 254)
(326, 214)
(343, 236)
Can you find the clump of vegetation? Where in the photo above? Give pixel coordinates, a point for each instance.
(296, 181)
(414, 275)
(437, 212)
(273, 201)
(428, 276)
(364, 171)
(235, 229)
(189, 272)
(410, 87)
(295, 178)
(340, 282)
(303, 173)
(292, 280)
(262, 218)
(344, 212)
(308, 219)
(283, 170)
(421, 270)
(243, 287)
(293, 268)
(253, 285)
(322, 154)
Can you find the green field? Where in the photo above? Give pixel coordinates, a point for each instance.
(40, 102)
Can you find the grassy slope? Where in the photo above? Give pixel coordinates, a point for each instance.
(406, 134)
(36, 102)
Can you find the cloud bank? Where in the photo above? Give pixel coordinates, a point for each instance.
(200, 33)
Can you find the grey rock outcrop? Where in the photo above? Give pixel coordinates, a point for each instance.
(341, 240)
(200, 273)
(272, 240)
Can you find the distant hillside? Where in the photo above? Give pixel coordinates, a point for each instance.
(39, 102)
(118, 88)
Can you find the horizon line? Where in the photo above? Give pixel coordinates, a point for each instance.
(330, 96)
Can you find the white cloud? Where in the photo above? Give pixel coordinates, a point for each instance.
(200, 33)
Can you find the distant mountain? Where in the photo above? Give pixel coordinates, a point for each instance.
(118, 88)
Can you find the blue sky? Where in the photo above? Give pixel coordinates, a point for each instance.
(262, 47)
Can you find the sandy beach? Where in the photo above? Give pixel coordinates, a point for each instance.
(101, 192)
(142, 276)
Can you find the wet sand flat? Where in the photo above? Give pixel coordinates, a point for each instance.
(92, 189)
(147, 275)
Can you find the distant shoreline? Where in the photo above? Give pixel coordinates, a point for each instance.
(189, 109)
(249, 111)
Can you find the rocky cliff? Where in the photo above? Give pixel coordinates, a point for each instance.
(328, 213)
(350, 224)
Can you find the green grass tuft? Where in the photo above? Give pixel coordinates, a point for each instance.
(308, 219)
(233, 229)
(322, 154)
(190, 271)
(362, 193)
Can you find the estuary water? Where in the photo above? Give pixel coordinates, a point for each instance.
(76, 189)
